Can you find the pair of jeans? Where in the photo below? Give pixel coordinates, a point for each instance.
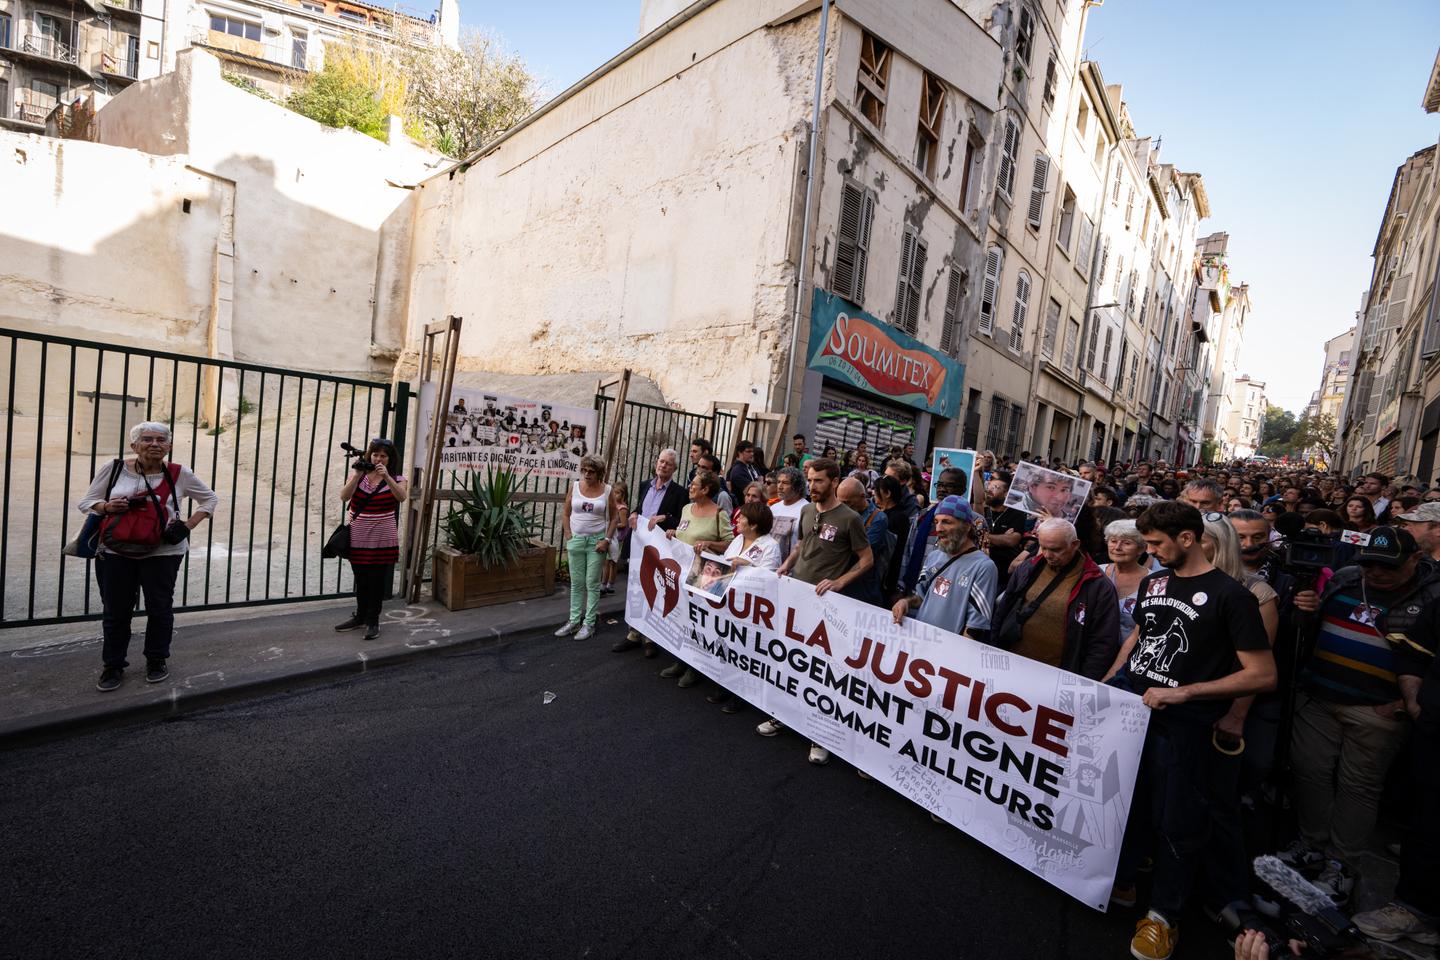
(585, 568)
(154, 578)
(1178, 795)
(371, 582)
(1340, 755)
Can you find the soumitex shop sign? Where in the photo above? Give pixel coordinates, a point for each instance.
(853, 347)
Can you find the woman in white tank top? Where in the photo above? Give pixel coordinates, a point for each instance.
(588, 524)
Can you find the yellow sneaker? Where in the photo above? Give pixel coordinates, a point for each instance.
(1154, 938)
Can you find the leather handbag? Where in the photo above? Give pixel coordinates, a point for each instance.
(338, 543)
(86, 544)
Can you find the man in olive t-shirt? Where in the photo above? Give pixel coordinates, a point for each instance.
(831, 548)
(831, 551)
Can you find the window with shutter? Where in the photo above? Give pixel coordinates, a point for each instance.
(1051, 74)
(1067, 220)
(1009, 150)
(1372, 408)
(1105, 358)
(1082, 253)
(1037, 190)
(948, 331)
(872, 79)
(852, 244)
(1395, 309)
(910, 282)
(1012, 436)
(1022, 308)
(1134, 366)
(1115, 193)
(1025, 36)
(1129, 206)
(995, 434)
(1090, 348)
(1104, 261)
(927, 136)
(1119, 273)
(1052, 329)
(990, 289)
(1072, 342)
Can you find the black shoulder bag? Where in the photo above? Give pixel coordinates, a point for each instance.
(1009, 633)
(338, 543)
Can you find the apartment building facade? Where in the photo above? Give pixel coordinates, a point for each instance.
(57, 53)
(589, 237)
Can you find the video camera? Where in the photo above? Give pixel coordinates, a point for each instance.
(361, 463)
(1297, 911)
(1305, 553)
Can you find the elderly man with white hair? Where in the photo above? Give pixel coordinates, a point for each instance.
(142, 540)
(1059, 608)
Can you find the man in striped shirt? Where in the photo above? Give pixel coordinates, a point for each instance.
(1349, 720)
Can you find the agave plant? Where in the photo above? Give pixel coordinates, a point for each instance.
(489, 522)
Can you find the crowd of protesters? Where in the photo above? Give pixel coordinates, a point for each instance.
(1275, 686)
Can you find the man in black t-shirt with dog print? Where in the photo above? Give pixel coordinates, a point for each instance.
(1193, 625)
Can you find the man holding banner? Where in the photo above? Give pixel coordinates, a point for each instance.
(831, 551)
(1193, 624)
(957, 587)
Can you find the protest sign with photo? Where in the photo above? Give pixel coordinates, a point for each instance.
(1040, 491)
(710, 573)
(488, 429)
(1034, 762)
(942, 458)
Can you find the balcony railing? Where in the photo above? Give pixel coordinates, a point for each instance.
(33, 107)
(48, 47)
(115, 64)
(278, 52)
(124, 6)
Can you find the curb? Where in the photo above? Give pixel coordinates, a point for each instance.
(46, 727)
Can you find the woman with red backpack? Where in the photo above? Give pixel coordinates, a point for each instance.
(141, 542)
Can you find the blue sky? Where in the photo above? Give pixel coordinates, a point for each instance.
(1296, 113)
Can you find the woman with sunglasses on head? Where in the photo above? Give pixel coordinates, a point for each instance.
(587, 524)
(374, 495)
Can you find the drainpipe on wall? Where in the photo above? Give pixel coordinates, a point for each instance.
(801, 263)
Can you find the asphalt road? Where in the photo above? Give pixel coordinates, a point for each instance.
(443, 809)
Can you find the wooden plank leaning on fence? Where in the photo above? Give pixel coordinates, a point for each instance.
(419, 528)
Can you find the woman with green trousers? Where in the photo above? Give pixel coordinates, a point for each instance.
(588, 523)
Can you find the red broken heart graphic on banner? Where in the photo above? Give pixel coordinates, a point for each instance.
(660, 580)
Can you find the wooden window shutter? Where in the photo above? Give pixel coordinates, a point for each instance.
(1009, 147)
(1052, 329)
(1037, 190)
(989, 290)
(1022, 308)
(857, 213)
(910, 282)
(952, 312)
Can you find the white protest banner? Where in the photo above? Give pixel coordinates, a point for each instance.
(1036, 763)
(484, 429)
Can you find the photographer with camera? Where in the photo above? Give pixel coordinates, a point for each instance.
(1349, 719)
(140, 544)
(374, 496)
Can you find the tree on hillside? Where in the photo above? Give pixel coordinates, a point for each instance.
(1316, 433)
(1278, 434)
(465, 98)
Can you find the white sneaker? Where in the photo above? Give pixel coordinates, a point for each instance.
(819, 755)
(1393, 922)
(586, 632)
(770, 728)
(566, 630)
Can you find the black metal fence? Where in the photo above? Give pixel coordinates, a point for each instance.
(646, 429)
(264, 438)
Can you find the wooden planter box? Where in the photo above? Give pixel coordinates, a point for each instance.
(461, 582)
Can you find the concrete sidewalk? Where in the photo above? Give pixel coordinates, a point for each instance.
(48, 687)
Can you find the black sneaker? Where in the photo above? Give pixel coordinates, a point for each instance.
(110, 679)
(372, 631)
(350, 624)
(155, 671)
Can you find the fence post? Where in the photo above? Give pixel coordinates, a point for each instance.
(612, 439)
